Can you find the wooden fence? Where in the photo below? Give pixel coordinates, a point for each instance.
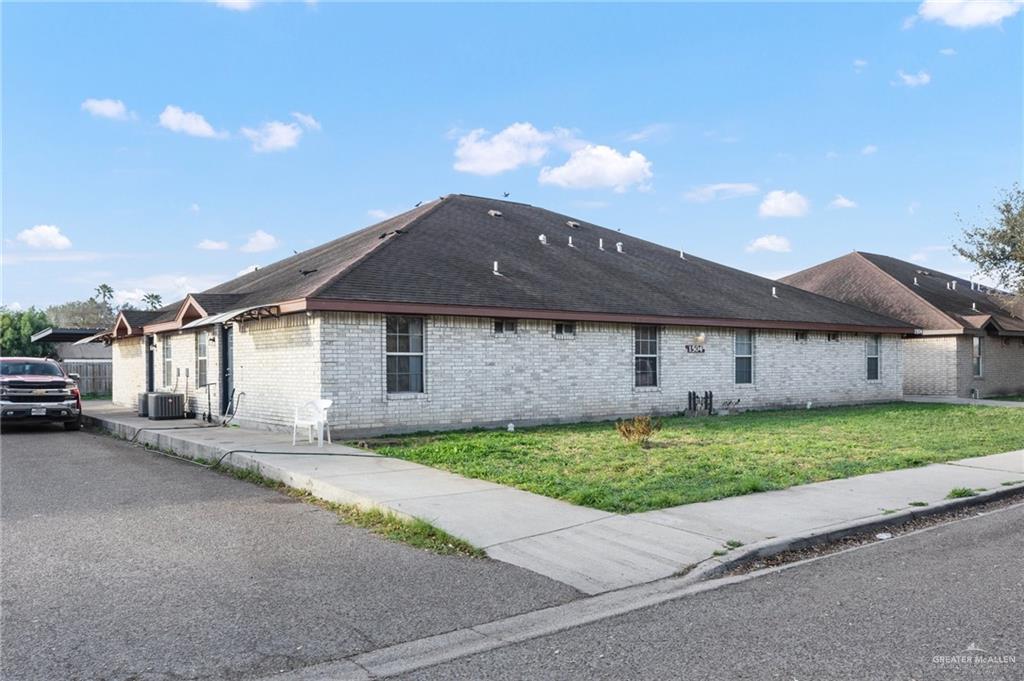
(97, 375)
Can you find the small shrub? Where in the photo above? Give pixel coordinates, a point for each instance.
(961, 493)
(638, 430)
(918, 503)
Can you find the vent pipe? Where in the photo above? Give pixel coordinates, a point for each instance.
(543, 239)
(570, 243)
(682, 256)
(600, 244)
(618, 246)
(974, 306)
(496, 268)
(915, 282)
(952, 285)
(774, 292)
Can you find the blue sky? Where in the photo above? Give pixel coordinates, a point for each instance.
(167, 147)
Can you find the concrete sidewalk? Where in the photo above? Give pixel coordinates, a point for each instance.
(594, 551)
(939, 399)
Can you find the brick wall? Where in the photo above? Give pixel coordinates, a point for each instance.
(930, 365)
(1002, 366)
(183, 357)
(129, 367)
(474, 376)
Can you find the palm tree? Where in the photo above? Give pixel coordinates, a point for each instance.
(105, 293)
(153, 300)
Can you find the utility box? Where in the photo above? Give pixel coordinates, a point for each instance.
(143, 404)
(166, 406)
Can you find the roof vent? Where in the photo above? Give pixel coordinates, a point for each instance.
(570, 243)
(974, 306)
(573, 224)
(495, 270)
(494, 213)
(618, 246)
(915, 282)
(543, 239)
(682, 256)
(600, 244)
(924, 272)
(774, 292)
(952, 285)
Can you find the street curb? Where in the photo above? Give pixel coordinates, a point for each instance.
(712, 568)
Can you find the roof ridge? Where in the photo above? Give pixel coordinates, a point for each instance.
(388, 238)
(904, 286)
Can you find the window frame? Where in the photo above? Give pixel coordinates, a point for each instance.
(737, 356)
(801, 336)
(834, 337)
(977, 357)
(202, 358)
(504, 325)
(875, 340)
(167, 357)
(639, 357)
(421, 354)
(562, 333)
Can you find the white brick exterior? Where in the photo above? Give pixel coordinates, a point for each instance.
(943, 365)
(476, 377)
(129, 371)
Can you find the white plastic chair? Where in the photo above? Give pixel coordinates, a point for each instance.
(312, 415)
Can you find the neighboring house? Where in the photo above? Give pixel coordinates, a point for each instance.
(971, 344)
(471, 311)
(91, 361)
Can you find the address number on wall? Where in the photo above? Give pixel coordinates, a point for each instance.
(699, 349)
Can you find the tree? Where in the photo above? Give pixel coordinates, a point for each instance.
(153, 301)
(105, 293)
(998, 247)
(90, 313)
(16, 329)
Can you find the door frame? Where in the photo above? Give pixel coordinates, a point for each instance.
(150, 342)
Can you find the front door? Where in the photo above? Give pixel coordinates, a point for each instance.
(227, 356)
(149, 363)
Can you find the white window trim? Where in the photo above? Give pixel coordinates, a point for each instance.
(979, 371)
(167, 358)
(878, 356)
(503, 333)
(202, 341)
(753, 362)
(657, 360)
(409, 395)
(563, 336)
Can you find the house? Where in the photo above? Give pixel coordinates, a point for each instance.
(971, 344)
(472, 311)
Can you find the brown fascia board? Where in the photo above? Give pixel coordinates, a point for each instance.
(189, 301)
(324, 305)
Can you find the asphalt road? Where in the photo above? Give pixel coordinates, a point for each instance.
(123, 564)
(885, 611)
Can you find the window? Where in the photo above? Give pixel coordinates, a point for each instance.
(168, 365)
(404, 349)
(504, 326)
(565, 329)
(744, 352)
(874, 350)
(645, 356)
(976, 355)
(202, 341)
(833, 337)
(800, 336)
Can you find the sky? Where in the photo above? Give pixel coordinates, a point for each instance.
(162, 147)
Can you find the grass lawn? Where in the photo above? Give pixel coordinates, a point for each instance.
(709, 458)
(1012, 398)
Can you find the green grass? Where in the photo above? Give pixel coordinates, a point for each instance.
(701, 459)
(417, 533)
(961, 493)
(1010, 398)
(87, 397)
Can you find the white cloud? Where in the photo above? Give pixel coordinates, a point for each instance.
(132, 296)
(187, 122)
(600, 166)
(719, 191)
(108, 108)
(306, 121)
(170, 286)
(273, 136)
(859, 64)
(9, 258)
(783, 204)
(655, 130)
(770, 242)
(947, 52)
(44, 236)
(968, 13)
(869, 150)
(913, 79)
(236, 5)
(913, 206)
(247, 270)
(379, 214)
(211, 245)
(194, 208)
(517, 145)
(13, 306)
(842, 202)
(831, 155)
(260, 241)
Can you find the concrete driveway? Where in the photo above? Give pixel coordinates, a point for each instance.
(119, 563)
